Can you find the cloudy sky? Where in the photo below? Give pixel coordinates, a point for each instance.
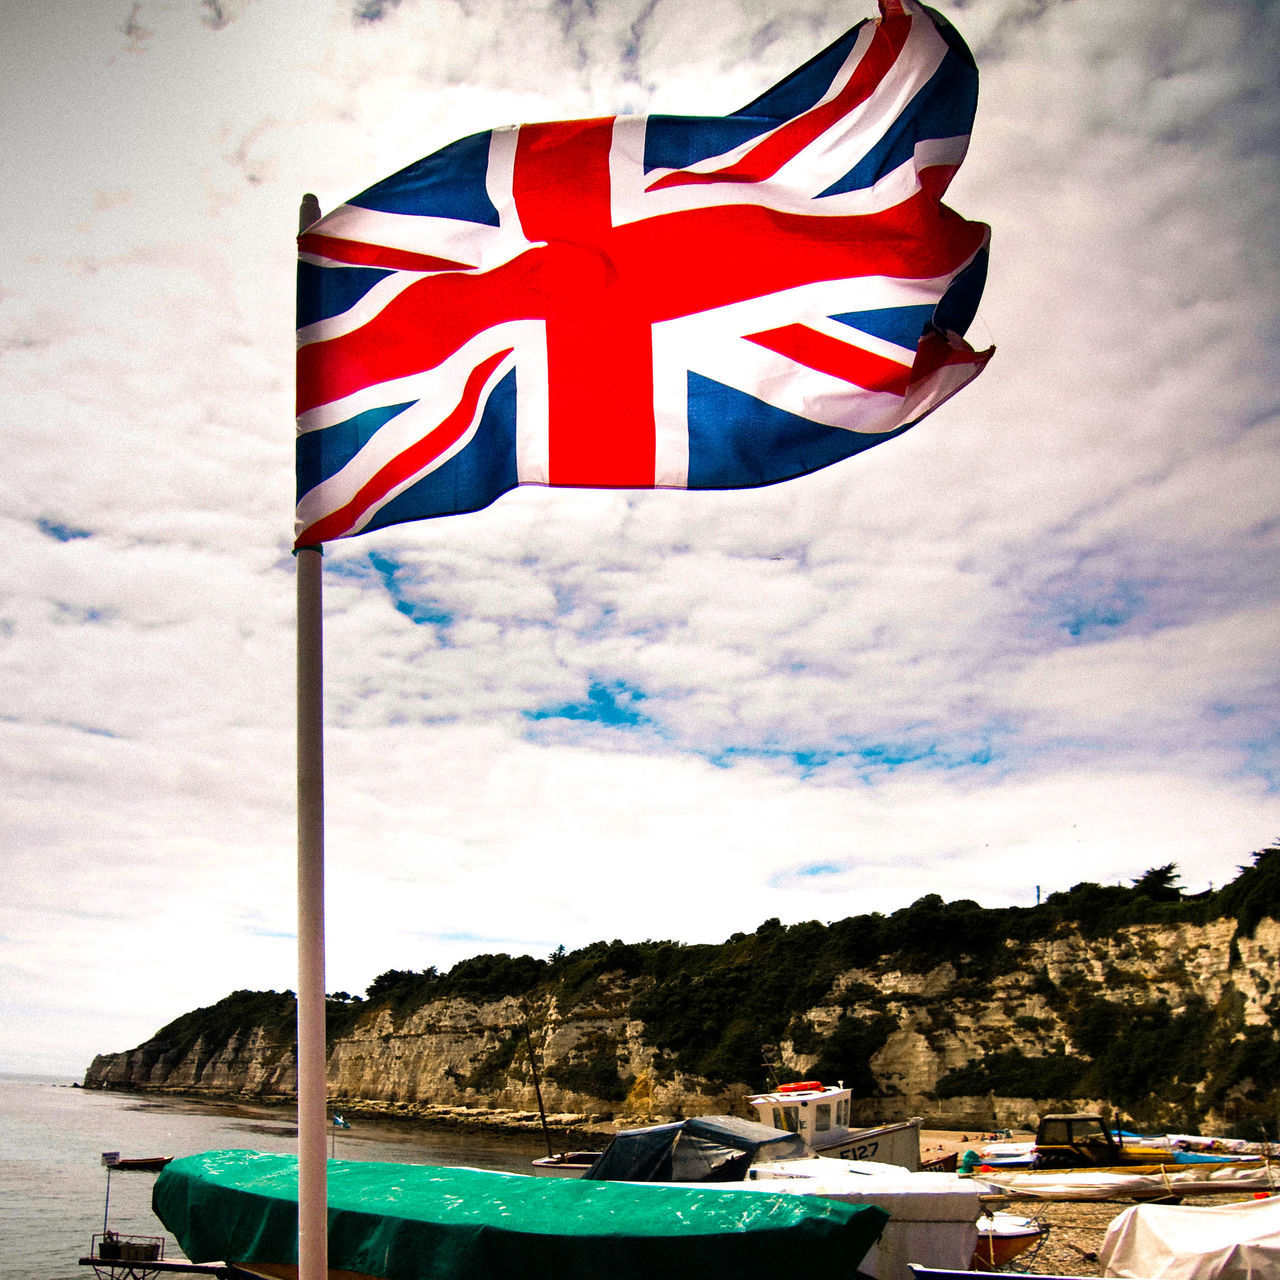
(1032, 642)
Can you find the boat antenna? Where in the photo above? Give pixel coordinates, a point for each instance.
(771, 1071)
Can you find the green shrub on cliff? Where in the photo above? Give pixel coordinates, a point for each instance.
(241, 1013)
(1011, 1073)
(402, 990)
(593, 1069)
(1137, 1052)
(1254, 895)
(491, 977)
(711, 1017)
(481, 978)
(846, 1053)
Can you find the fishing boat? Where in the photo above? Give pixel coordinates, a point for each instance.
(699, 1149)
(817, 1114)
(143, 1164)
(820, 1115)
(419, 1222)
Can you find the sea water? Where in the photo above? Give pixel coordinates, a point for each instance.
(53, 1186)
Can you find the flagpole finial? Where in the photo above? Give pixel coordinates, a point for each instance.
(308, 212)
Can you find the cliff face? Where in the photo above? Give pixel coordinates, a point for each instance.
(944, 1028)
(1178, 1021)
(257, 1062)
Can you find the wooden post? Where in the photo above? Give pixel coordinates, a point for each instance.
(313, 1192)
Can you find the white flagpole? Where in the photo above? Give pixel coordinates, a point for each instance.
(313, 1192)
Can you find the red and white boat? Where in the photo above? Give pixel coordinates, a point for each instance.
(1003, 1237)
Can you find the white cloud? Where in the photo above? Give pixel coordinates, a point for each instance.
(1030, 643)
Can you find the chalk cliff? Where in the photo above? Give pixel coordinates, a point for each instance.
(1172, 1022)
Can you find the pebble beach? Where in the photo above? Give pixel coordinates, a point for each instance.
(1076, 1227)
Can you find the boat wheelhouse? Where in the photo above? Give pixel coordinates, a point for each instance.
(820, 1114)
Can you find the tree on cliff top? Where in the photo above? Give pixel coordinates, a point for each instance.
(1160, 884)
(1254, 895)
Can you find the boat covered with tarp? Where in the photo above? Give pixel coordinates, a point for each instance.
(1139, 1182)
(700, 1149)
(422, 1222)
(1237, 1241)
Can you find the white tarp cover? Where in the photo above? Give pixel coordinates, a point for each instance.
(932, 1216)
(909, 1197)
(1115, 1184)
(1183, 1242)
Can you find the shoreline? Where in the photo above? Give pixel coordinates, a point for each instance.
(426, 1115)
(563, 1124)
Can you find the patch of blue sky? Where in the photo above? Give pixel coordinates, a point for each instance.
(61, 532)
(1080, 615)
(872, 758)
(806, 873)
(1263, 755)
(79, 614)
(93, 730)
(619, 705)
(818, 870)
(593, 617)
(806, 759)
(354, 567)
(616, 704)
(386, 571)
(67, 910)
(511, 946)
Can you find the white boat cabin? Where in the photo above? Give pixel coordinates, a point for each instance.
(820, 1115)
(807, 1108)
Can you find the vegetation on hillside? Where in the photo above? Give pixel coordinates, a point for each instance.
(239, 1014)
(719, 1011)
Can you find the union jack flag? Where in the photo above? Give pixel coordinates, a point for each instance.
(648, 301)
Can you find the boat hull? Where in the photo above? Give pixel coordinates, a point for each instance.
(565, 1164)
(1002, 1237)
(897, 1144)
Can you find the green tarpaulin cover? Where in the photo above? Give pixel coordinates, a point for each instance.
(419, 1222)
